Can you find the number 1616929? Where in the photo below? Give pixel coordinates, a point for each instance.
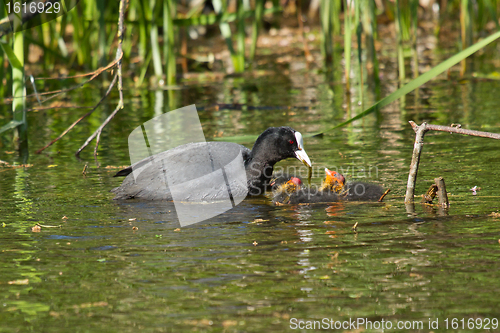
(471, 323)
(33, 7)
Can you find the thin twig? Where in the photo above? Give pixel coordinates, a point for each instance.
(119, 56)
(415, 160)
(383, 195)
(84, 172)
(58, 107)
(56, 93)
(457, 130)
(417, 150)
(79, 119)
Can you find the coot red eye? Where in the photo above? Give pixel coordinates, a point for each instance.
(291, 142)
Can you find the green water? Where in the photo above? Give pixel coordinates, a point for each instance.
(128, 267)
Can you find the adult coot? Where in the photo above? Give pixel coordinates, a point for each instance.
(272, 146)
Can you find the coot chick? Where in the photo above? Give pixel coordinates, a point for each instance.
(273, 145)
(332, 189)
(283, 191)
(351, 191)
(291, 192)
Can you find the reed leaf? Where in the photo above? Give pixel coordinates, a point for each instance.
(466, 29)
(399, 36)
(19, 93)
(259, 10)
(347, 43)
(169, 41)
(155, 43)
(359, 31)
(240, 35)
(326, 31)
(414, 29)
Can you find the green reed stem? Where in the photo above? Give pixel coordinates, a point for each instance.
(101, 8)
(80, 49)
(19, 94)
(399, 33)
(347, 43)
(414, 21)
(240, 35)
(155, 43)
(259, 10)
(491, 6)
(466, 30)
(359, 31)
(370, 30)
(144, 18)
(169, 41)
(326, 31)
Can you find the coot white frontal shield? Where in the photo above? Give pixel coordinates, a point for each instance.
(301, 153)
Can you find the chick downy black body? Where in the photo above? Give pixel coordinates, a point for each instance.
(289, 190)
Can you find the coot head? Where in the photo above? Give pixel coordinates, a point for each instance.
(273, 145)
(278, 143)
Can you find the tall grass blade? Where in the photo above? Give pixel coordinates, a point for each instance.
(240, 35)
(335, 10)
(102, 33)
(226, 34)
(19, 95)
(326, 31)
(414, 20)
(370, 29)
(155, 43)
(466, 30)
(347, 43)
(259, 10)
(144, 18)
(399, 33)
(78, 29)
(491, 6)
(359, 31)
(169, 41)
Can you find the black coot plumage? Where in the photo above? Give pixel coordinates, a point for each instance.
(272, 146)
(361, 191)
